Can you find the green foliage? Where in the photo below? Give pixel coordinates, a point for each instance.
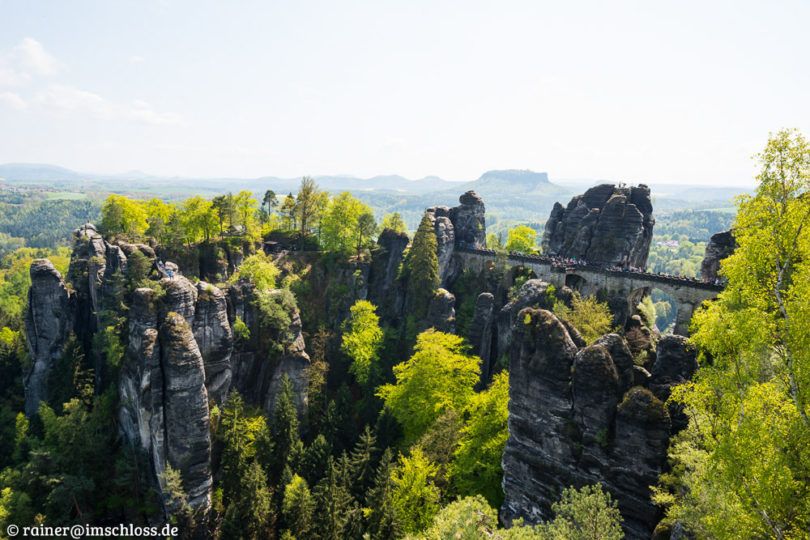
(284, 425)
(471, 518)
(521, 239)
(362, 339)
(248, 516)
(591, 317)
(682, 259)
(414, 495)
(587, 513)
(439, 376)
(422, 267)
(241, 330)
(298, 507)
(341, 229)
(259, 269)
(121, 215)
(694, 225)
(394, 222)
(477, 465)
(744, 461)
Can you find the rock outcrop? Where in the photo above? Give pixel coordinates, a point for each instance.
(577, 417)
(48, 322)
(441, 313)
(256, 376)
(180, 352)
(606, 224)
(214, 337)
(720, 246)
(384, 291)
(480, 333)
(463, 225)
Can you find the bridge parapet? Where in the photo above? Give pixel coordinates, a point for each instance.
(687, 293)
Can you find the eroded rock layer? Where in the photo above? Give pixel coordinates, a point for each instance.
(720, 246)
(606, 224)
(582, 415)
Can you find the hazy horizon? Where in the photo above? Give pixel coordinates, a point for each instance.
(631, 91)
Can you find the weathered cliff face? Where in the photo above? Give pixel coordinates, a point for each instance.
(162, 386)
(480, 333)
(214, 337)
(384, 291)
(577, 417)
(180, 353)
(48, 322)
(441, 314)
(606, 224)
(720, 246)
(257, 373)
(464, 225)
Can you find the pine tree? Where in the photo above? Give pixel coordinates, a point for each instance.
(315, 459)
(249, 516)
(284, 426)
(423, 268)
(298, 507)
(382, 521)
(362, 463)
(332, 503)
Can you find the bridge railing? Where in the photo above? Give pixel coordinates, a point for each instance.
(560, 266)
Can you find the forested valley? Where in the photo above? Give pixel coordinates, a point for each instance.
(295, 366)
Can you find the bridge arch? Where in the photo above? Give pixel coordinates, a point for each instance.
(575, 282)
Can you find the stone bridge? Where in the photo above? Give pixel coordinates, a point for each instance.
(624, 289)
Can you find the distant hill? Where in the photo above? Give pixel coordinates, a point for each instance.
(511, 195)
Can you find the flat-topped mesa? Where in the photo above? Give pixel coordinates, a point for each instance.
(463, 225)
(607, 224)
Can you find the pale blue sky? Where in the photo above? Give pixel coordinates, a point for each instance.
(636, 91)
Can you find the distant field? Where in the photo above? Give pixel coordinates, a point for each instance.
(726, 210)
(66, 195)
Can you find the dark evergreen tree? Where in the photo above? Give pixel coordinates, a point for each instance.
(333, 503)
(249, 516)
(423, 268)
(382, 521)
(316, 457)
(284, 428)
(362, 463)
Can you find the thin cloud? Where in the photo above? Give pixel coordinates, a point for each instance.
(144, 112)
(65, 99)
(33, 58)
(12, 100)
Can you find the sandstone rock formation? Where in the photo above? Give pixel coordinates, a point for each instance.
(577, 417)
(720, 246)
(48, 323)
(480, 333)
(384, 291)
(606, 224)
(180, 351)
(464, 225)
(441, 314)
(255, 376)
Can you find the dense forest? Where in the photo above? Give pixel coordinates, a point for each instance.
(401, 435)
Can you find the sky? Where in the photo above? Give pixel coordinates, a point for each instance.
(667, 92)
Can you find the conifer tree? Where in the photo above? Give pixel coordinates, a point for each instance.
(315, 459)
(382, 521)
(332, 503)
(284, 426)
(422, 267)
(298, 507)
(362, 463)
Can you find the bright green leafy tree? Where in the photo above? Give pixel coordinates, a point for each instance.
(362, 339)
(414, 495)
(439, 376)
(477, 464)
(521, 239)
(744, 462)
